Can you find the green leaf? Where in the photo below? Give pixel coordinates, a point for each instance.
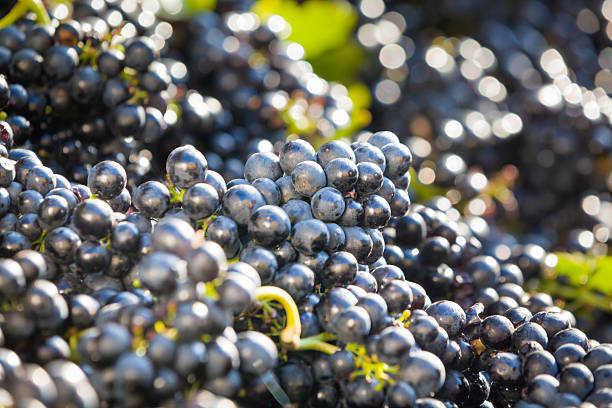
(360, 116)
(594, 273)
(360, 95)
(318, 25)
(183, 9)
(601, 280)
(324, 29)
(575, 266)
(340, 64)
(604, 265)
(200, 5)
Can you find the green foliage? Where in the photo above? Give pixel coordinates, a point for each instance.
(360, 117)
(582, 283)
(340, 64)
(602, 278)
(592, 272)
(21, 8)
(173, 10)
(318, 25)
(199, 5)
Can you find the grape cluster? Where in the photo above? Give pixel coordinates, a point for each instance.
(164, 243)
(87, 280)
(387, 341)
(97, 86)
(312, 281)
(302, 205)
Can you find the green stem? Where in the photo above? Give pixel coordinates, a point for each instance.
(38, 7)
(290, 335)
(73, 336)
(319, 343)
(267, 308)
(39, 243)
(21, 8)
(107, 241)
(176, 107)
(139, 97)
(211, 289)
(176, 195)
(370, 367)
(404, 319)
(205, 222)
(6, 306)
(192, 389)
(18, 11)
(88, 55)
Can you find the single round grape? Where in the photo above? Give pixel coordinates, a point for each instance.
(327, 204)
(107, 179)
(308, 177)
(186, 166)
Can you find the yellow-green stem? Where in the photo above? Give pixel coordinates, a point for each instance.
(290, 335)
(22, 8)
(319, 343)
(39, 243)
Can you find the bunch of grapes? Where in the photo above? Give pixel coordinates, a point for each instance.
(310, 281)
(164, 243)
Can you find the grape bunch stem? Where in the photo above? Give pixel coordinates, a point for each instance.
(22, 8)
(290, 335)
(367, 366)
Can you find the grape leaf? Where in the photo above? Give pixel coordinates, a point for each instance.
(575, 266)
(583, 270)
(324, 29)
(602, 277)
(360, 116)
(200, 5)
(340, 64)
(318, 25)
(175, 10)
